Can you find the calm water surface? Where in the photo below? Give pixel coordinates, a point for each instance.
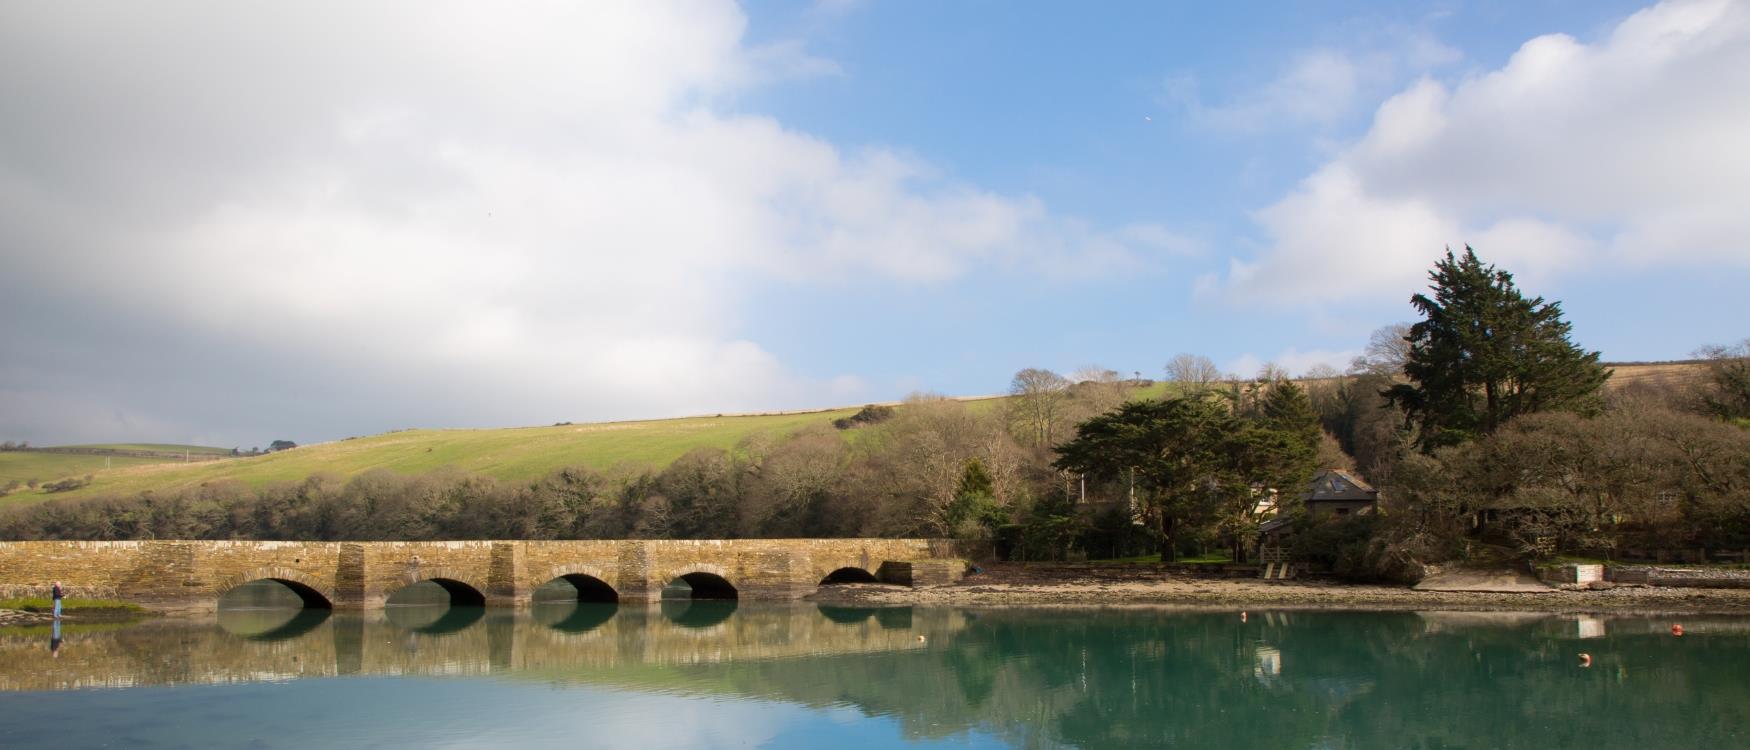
(713, 674)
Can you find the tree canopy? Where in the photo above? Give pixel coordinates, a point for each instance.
(1192, 460)
(1483, 353)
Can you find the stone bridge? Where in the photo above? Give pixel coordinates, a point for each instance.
(356, 575)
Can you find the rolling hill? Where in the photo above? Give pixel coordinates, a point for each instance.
(61, 462)
(506, 453)
(509, 453)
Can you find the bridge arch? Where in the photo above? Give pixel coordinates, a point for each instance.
(312, 592)
(849, 574)
(705, 582)
(463, 591)
(592, 584)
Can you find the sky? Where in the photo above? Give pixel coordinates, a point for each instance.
(229, 223)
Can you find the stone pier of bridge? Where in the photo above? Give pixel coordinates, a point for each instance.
(356, 575)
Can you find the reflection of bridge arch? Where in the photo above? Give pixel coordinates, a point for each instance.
(699, 614)
(313, 593)
(429, 620)
(845, 615)
(575, 618)
(272, 624)
(463, 592)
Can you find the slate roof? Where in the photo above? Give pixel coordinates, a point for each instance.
(1336, 485)
(1274, 524)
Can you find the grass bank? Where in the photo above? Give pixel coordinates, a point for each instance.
(68, 606)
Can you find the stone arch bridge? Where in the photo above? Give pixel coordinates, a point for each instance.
(355, 575)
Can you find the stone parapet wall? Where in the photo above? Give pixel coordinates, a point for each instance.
(354, 575)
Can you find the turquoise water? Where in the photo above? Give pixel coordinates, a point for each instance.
(715, 674)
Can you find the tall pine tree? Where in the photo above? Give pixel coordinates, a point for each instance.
(1484, 354)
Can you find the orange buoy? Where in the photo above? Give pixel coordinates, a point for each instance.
(1677, 629)
(1585, 660)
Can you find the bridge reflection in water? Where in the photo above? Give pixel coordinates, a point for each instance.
(244, 644)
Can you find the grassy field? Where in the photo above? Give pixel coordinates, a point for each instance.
(513, 453)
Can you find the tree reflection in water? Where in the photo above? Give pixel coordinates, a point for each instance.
(1031, 677)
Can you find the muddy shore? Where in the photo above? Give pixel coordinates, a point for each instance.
(1013, 585)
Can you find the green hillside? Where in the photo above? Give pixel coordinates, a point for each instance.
(513, 453)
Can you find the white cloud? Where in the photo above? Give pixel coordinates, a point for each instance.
(1629, 150)
(501, 216)
(1320, 86)
(1317, 87)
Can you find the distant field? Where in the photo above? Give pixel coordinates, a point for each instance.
(511, 453)
(48, 467)
(62, 461)
(199, 450)
(1674, 373)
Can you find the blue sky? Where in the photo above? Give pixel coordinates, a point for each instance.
(1080, 109)
(237, 225)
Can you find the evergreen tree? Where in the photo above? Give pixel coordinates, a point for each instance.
(974, 512)
(1483, 354)
(1172, 450)
(975, 480)
(1288, 409)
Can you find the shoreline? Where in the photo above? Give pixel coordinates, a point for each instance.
(1009, 588)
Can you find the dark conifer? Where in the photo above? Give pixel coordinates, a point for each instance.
(1484, 354)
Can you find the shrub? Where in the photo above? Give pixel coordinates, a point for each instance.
(1339, 543)
(871, 414)
(65, 485)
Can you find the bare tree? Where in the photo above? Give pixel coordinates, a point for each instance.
(1727, 391)
(1270, 372)
(1387, 350)
(1194, 373)
(1099, 389)
(793, 480)
(914, 461)
(1037, 406)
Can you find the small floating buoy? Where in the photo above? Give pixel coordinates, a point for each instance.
(1242, 617)
(920, 639)
(1677, 629)
(1585, 660)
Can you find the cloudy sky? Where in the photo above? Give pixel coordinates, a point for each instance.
(226, 223)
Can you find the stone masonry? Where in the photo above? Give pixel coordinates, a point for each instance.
(355, 575)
